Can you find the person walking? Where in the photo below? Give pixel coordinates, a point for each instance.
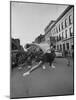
(73, 52)
(68, 57)
(52, 56)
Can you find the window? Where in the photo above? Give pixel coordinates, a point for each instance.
(59, 37)
(70, 19)
(60, 47)
(57, 47)
(65, 33)
(70, 31)
(65, 23)
(63, 47)
(59, 27)
(62, 25)
(56, 30)
(67, 45)
(62, 35)
(72, 47)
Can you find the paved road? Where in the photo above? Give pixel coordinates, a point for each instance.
(58, 81)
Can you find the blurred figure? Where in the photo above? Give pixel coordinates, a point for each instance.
(47, 57)
(68, 57)
(73, 52)
(53, 55)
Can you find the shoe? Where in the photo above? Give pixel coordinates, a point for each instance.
(43, 67)
(19, 67)
(53, 66)
(25, 74)
(29, 67)
(68, 64)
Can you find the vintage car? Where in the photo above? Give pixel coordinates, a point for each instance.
(58, 53)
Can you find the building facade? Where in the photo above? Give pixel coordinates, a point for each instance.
(62, 30)
(15, 45)
(40, 39)
(48, 34)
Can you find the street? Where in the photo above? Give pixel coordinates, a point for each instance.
(43, 82)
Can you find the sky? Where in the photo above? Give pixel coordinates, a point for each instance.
(28, 20)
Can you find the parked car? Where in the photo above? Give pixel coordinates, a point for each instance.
(58, 53)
